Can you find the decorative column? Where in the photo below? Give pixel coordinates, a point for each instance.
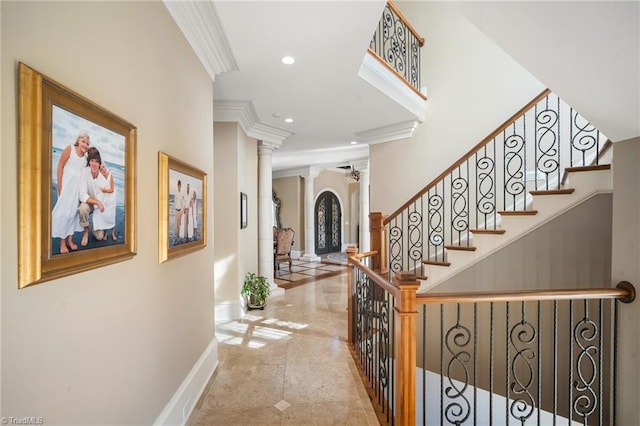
(309, 221)
(365, 244)
(265, 214)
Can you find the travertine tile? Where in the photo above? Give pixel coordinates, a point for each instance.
(288, 364)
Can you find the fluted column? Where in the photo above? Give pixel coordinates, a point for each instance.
(265, 213)
(309, 221)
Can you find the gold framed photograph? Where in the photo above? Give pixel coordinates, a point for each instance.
(182, 208)
(76, 182)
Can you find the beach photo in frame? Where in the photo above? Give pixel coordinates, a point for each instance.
(182, 208)
(76, 184)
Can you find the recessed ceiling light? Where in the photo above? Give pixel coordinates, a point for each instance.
(288, 120)
(288, 60)
(354, 142)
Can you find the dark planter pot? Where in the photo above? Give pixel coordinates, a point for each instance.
(254, 303)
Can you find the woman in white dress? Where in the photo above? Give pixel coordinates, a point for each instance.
(106, 219)
(64, 216)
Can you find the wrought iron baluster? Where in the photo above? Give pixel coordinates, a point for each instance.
(547, 144)
(485, 186)
(395, 245)
(414, 236)
(522, 335)
(457, 340)
(514, 168)
(459, 207)
(436, 223)
(584, 333)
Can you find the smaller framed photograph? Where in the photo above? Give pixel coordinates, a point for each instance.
(182, 208)
(243, 210)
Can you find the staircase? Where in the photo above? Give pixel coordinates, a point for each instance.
(543, 161)
(582, 184)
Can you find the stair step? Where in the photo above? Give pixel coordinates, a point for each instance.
(488, 231)
(553, 192)
(588, 168)
(421, 277)
(461, 248)
(518, 212)
(435, 262)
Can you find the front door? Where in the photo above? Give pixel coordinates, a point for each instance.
(328, 220)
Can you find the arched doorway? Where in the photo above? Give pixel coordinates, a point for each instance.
(328, 222)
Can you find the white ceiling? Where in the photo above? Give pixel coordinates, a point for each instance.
(330, 104)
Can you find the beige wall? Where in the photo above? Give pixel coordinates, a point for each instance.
(109, 346)
(626, 266)
(236, 250)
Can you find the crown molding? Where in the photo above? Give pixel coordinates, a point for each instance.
(199, 22)
(244, 113)
(392, 132)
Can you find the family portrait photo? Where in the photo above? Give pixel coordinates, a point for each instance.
(182, 208)
(76, 186)
(87, 191)
(185, 208)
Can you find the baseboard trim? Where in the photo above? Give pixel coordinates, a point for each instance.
(181, 404)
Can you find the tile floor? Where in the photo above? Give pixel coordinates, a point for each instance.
(303, 272)
(288, 364)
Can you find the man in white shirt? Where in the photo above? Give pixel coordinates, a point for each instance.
(90, 186)
(178, 204)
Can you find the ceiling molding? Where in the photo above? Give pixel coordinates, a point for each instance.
(305, 172)
(244, 113)
(389, 133)
(199, 22)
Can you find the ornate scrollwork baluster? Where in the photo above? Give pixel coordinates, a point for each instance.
(514, 168)
(395, 245)
(414, 236)
(436, 223)
(460, 206)
(547, 142)
(485, 198)
(457, 340)
(522, 338)
(585, 333)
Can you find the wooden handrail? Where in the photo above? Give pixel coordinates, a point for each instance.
(359, 256)
(624, 291)
(384, 284)
(468, 155)
(404, 20)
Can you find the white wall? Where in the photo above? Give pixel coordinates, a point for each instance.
(473, 87)
(109, 346)
(587, 52)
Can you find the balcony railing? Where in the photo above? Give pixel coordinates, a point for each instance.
(396, 44)
(527, 357)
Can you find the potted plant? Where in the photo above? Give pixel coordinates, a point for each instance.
(255, 289)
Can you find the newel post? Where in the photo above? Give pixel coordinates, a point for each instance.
(406, 316)
(351, 250)
(378, 235)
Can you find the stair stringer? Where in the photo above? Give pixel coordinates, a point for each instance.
(586, 184)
